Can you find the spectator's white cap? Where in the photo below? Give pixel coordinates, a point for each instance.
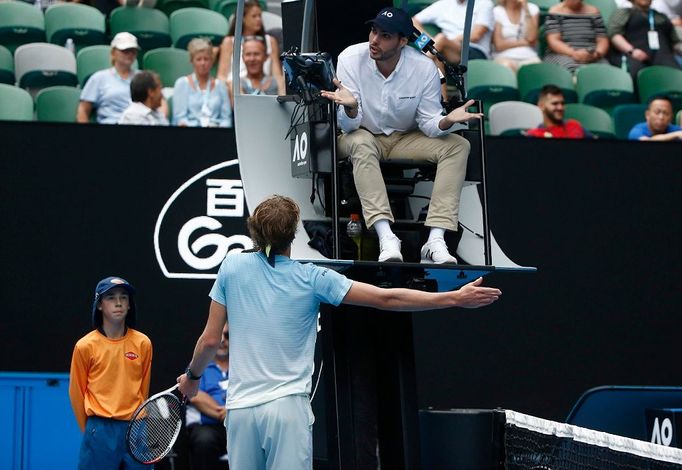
(123, 41)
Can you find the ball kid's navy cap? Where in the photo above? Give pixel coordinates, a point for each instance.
(102, 288)
(393, 20)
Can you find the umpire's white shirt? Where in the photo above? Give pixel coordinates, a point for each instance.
(407, 99)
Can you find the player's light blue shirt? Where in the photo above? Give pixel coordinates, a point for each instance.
(273, 323)
(109, 94)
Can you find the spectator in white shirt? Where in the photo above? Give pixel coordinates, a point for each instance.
(389, 97)
(516, 33)
(145, 91)
(449, 16)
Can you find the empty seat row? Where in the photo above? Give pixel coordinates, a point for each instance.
(599, 85)
(22, 23)
(55, 104)
(40, 65)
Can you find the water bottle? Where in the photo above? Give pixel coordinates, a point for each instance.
(38, 5)
(354, 231)
(624, 63)
(70, 46)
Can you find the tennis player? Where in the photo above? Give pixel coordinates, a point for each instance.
(272, 303)
(109, 380)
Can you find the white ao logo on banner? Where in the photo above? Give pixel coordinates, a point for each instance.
(300, 148)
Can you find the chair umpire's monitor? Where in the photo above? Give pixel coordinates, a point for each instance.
(311, 145)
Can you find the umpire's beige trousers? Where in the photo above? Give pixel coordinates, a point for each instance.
(366, 150)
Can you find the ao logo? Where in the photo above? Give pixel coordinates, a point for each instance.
(201, 223)
(388, 14)
(663, 432)
(300, 147)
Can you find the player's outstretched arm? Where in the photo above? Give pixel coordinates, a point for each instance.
(472, 295)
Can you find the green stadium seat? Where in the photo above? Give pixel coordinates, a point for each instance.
(595, 120)
(57, 104)
(542, 46)
(512, 117)
(150, 27)
(544, 6)
(20, 23)
(490, 82)
(15, 104)
(625, 116)
(41, 65)
(171, 6)
(604, 86)
(606, 8)
(660, 80)
(82, 23)
(227, 8)
(189, 23)
(169, 63)
(6, 66)
(431, 29)
(533, 77)
(92, 59)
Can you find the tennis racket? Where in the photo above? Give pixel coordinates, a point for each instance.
(155, 426)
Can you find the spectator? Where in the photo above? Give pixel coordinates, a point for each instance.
(108, 91)
(256, 81)
(252, 26)
(109, 379)
(670, 8)
(629, 29)
(205, 417)
(516, 33)
(200, 100)
(145, 89)
(575, 35)
(449, 16)
(658, 125)
(551, 102)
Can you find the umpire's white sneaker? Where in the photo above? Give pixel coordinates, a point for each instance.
(436, 252)
(390, 249)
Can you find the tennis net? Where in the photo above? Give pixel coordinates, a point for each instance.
(532, 443)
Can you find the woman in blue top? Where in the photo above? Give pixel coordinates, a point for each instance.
(200, 100)
(107, 92)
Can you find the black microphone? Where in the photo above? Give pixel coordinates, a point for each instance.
(424, 42)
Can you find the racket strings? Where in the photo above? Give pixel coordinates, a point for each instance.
(154, 428)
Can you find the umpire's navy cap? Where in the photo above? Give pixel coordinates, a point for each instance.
(393, 20)
(104, 286)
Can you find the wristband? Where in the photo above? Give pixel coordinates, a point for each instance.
(190, 375)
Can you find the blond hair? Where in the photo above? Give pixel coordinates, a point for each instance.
(198, 45)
